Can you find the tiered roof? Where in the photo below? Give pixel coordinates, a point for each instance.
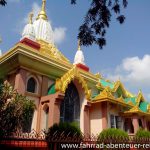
(116, 93)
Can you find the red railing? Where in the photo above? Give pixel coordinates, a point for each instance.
(36, 141)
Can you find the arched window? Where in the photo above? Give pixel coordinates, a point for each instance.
(70, 106)
(31, 85)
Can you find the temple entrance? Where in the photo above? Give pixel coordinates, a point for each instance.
(70, 106)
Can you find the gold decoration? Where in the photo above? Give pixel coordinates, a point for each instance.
(108, 81)
(63, 82)
(79, 45)
(0, 40)
(148, 108)
(130, 103)
(50, 50)
(128, 94)
(140, 98)
(98, 75)
(134, 109)
(42, 13)
(30, 18)
(120, 99)
(105, 94)
(117, 85)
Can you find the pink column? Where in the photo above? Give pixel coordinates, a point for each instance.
(20, 81)
(104, 114)
(53, 102)
(44, 86)
(135, 123)
(144, 122)
(57, 104)
(87, 119)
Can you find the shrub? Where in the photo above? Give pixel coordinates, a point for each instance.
(141, 133)
(15, 110)
(63, 133)
(112, 133)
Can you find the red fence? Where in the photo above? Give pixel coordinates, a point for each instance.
(36, 141)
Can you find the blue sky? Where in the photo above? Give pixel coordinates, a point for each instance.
(126, 56)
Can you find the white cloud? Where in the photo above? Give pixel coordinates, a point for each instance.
(134, 72)
(59, 34)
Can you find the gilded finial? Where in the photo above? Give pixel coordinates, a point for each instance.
(98, 75)
(79, 45)
(30, 18)
(0, 40)
(140, 91)
(42, 13)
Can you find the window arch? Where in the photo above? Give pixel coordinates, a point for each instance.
(31, 85)
(70, 106)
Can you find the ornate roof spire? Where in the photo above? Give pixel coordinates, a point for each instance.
(79, 56)
(28, 31)
(42, 13)
(0, 49)
(31, 17)
(79, 45)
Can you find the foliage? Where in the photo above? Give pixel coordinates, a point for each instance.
(61, 131)
(141, 133)
(15, 110)
(112, 133)
(97, 20)
(68, 129)
(3, 2)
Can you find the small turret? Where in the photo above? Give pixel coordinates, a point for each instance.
(43, 29)
(79, 57)
(29, 31)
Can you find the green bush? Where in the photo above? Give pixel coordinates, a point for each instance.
(63, 133)
(112, 133)
(141, 133)
(68, 129)
(15, 110)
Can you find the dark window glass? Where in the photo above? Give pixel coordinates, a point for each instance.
(115, 121)
(112, 121)
(118, 122)
(31, 85)
(70, 106)
(140, 123)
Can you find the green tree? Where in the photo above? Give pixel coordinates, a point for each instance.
(15, 110)
(97, 20)
(3, 2)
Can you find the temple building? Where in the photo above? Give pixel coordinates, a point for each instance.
(65, 91)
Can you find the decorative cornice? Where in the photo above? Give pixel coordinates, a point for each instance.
(148, 108)
(63, 82)
(140, 98)
(105, 94)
